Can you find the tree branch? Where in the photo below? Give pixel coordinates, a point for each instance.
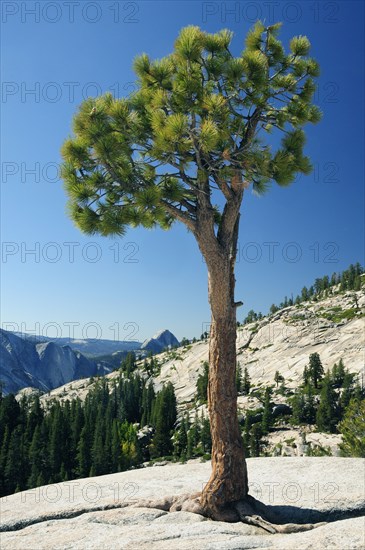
(250, 128)
(231, 212)
(179, 215)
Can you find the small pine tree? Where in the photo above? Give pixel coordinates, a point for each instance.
(206, 438)
(246, 432)
(305, 294)
(130, 449)
(181, 440)
(56, 442)
(352, 428)
(315, 369)
(251, 317)
(148, 398)
(338, 373)
(164, 415)
(238, 377)
(3, 457)
(357, 286)
(14, 462)
(97, 451)
(255, 440)
(83, 451)
(246, 383)
(309, 408)
(194, 436)
(349, 390)
(326, 413)
(41, 480)
(278, 378)
(267, 415)
(298, 404)
(36, 457)
(202, 384)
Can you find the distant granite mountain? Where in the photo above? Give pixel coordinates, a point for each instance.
(45, 366)
(87, 346)
(161, 341)
(45, 363)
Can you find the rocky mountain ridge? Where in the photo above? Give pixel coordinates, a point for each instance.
(332, 327)
(87, 346)
(282, 342)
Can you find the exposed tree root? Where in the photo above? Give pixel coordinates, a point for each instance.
(249, 511)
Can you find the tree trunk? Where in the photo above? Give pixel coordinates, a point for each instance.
(228, 481)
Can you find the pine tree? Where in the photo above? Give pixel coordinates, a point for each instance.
(318, 285)
(148, 398)
(246, 383)
(267, 415)
(239, 377)
(326, 413)
(116, 448)
(338, 373)
(255, 439)
(129, 364)
(278, 378)
(333, 280)
(251, 317)
(306, 376)
(9, 414)
(171, 410)
(36, 457)
(298, 406)
(325, 282)
(305, 294)
(155, 157)
(63, 473)
(309, 408)
(41, 480)
(35, 416)
(353, 429)
(181, 440)
(15, 463)
(130, 449)
(315, 369)
(202, 384)
(3, 456)
(349, 389)
(164, 416)
(194, 435)
(206, 438)
(83, 450)
(249, 421)
(357, 283)
(77, 422)
(98, 457)
(56, 443)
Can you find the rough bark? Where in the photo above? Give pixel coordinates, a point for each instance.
(225, 497)
(228, 482)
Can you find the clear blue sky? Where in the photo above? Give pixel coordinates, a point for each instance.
(159, 279)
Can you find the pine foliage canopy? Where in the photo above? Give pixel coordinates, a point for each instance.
(197, 122)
